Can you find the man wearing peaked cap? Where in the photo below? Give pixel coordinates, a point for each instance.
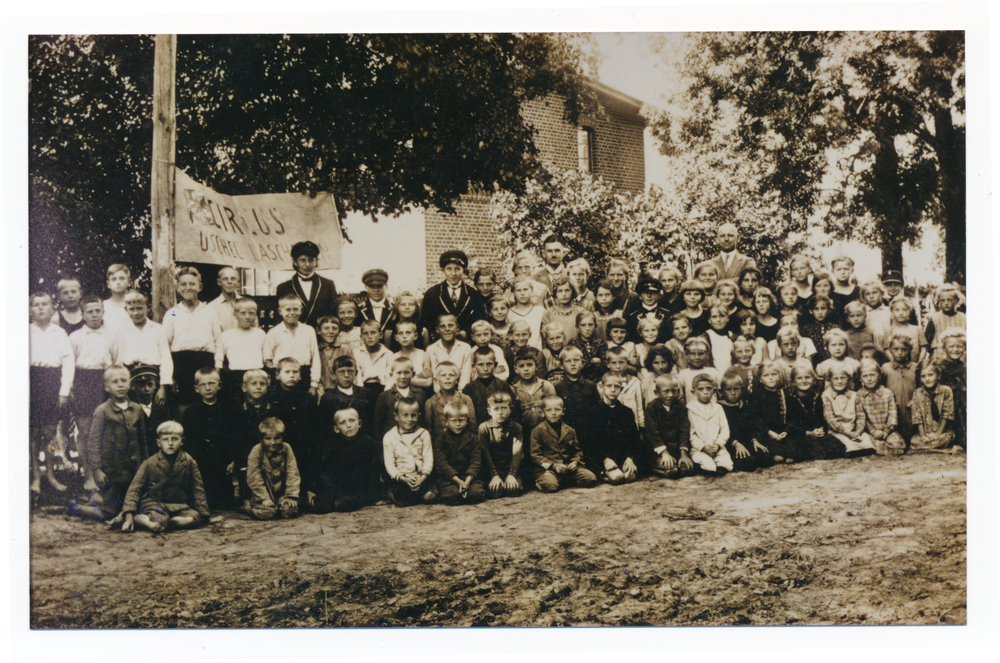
(649, 291)
(453, 295)
(892, 279)
(318, 295)
(376, 305)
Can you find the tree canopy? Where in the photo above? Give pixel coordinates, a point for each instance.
(864, 130)
(384, 122)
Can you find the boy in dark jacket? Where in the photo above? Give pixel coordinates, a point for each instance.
(668, 430)
(502, 441)
(615, 446)
(556, 452)
(458, 459)
(747, 453)
(167, 491)
(347, 469)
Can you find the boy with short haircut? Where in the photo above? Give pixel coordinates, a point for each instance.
(290, 338)
(615, 445)
(448, 348)
(70, 315)
(446, 382)
(668, 429)
(481, 333)
(617, 329)
(115, 448)
(245, 428)
(94, 349)
(858, 331)
(877, 313)
(273, 474)
(406, 336)
(709, 428)
(239, 350)
(520, 334)
(119, 280)
(296, 409)
(946, 317)
(501, 439)
(167, 491)
(373, 359)
(330, 349)
(400, 375)
(348, 467)
(529, 389)
(631, 395)
(458, 459)
(145, 342)
(579, 395)
(485, 383)
(191, 327)
(346, 395)
(880, 413)
(207, 431)
(555, 452)
(746, 452)
(409, 456)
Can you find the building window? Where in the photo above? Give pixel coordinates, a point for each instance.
(585, 149)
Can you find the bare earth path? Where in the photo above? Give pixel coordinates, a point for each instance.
(866, 541)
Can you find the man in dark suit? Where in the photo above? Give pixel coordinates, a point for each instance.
(453, 296)
(730, 262)
(553, 252)
(318, 295)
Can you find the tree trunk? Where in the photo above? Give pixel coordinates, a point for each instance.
(892, 256)
(951, 157)
(884, 200)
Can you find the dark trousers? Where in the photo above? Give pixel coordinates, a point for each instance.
(186, 364)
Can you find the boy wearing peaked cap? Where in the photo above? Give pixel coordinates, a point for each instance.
(376, 306)
(452, 296)
(318, 295)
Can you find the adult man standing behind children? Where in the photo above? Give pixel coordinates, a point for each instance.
(553, 252)
(453, 296)
(730, 262)
(318, 295)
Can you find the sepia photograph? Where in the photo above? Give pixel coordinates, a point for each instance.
(508, 329)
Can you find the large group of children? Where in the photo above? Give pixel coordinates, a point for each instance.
(476, 391)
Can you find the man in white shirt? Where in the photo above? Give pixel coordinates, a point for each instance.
(553, 252)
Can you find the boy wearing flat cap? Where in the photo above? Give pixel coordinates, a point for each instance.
(318, 295)
(376, 306)
(452, 296)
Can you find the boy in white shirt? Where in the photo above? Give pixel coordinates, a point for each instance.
(292, 339)
(373, 359)
(239, 350)
(709, 428)
(449, 348)
(191, 328)
(145, 342)
(94, 349)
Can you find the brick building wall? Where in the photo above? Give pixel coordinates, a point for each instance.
(617, 155)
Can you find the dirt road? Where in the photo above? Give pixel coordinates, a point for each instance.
(865, 541)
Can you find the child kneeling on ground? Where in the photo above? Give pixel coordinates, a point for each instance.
(167, 491)
(273, 474)
(556, 452)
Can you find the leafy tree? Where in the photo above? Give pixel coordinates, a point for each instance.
(384, 122)
(863, 129)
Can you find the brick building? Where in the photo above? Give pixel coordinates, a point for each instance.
(608, 144)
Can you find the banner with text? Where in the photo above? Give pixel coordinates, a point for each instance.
(255, 231)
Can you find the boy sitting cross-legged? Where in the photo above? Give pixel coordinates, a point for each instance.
(167, 491)
(458, 459)
(615, 446)
(446, 376)
(348, 467)
(501, 439)
(668, 429)
(556, 453)
(409, 456)
(273, 474)
(245, 429)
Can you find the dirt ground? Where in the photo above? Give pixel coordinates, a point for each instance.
(865, 541)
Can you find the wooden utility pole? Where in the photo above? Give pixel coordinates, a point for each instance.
(162, 185)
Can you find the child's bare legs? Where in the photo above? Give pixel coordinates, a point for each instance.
(145, 522)
(39, 437)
